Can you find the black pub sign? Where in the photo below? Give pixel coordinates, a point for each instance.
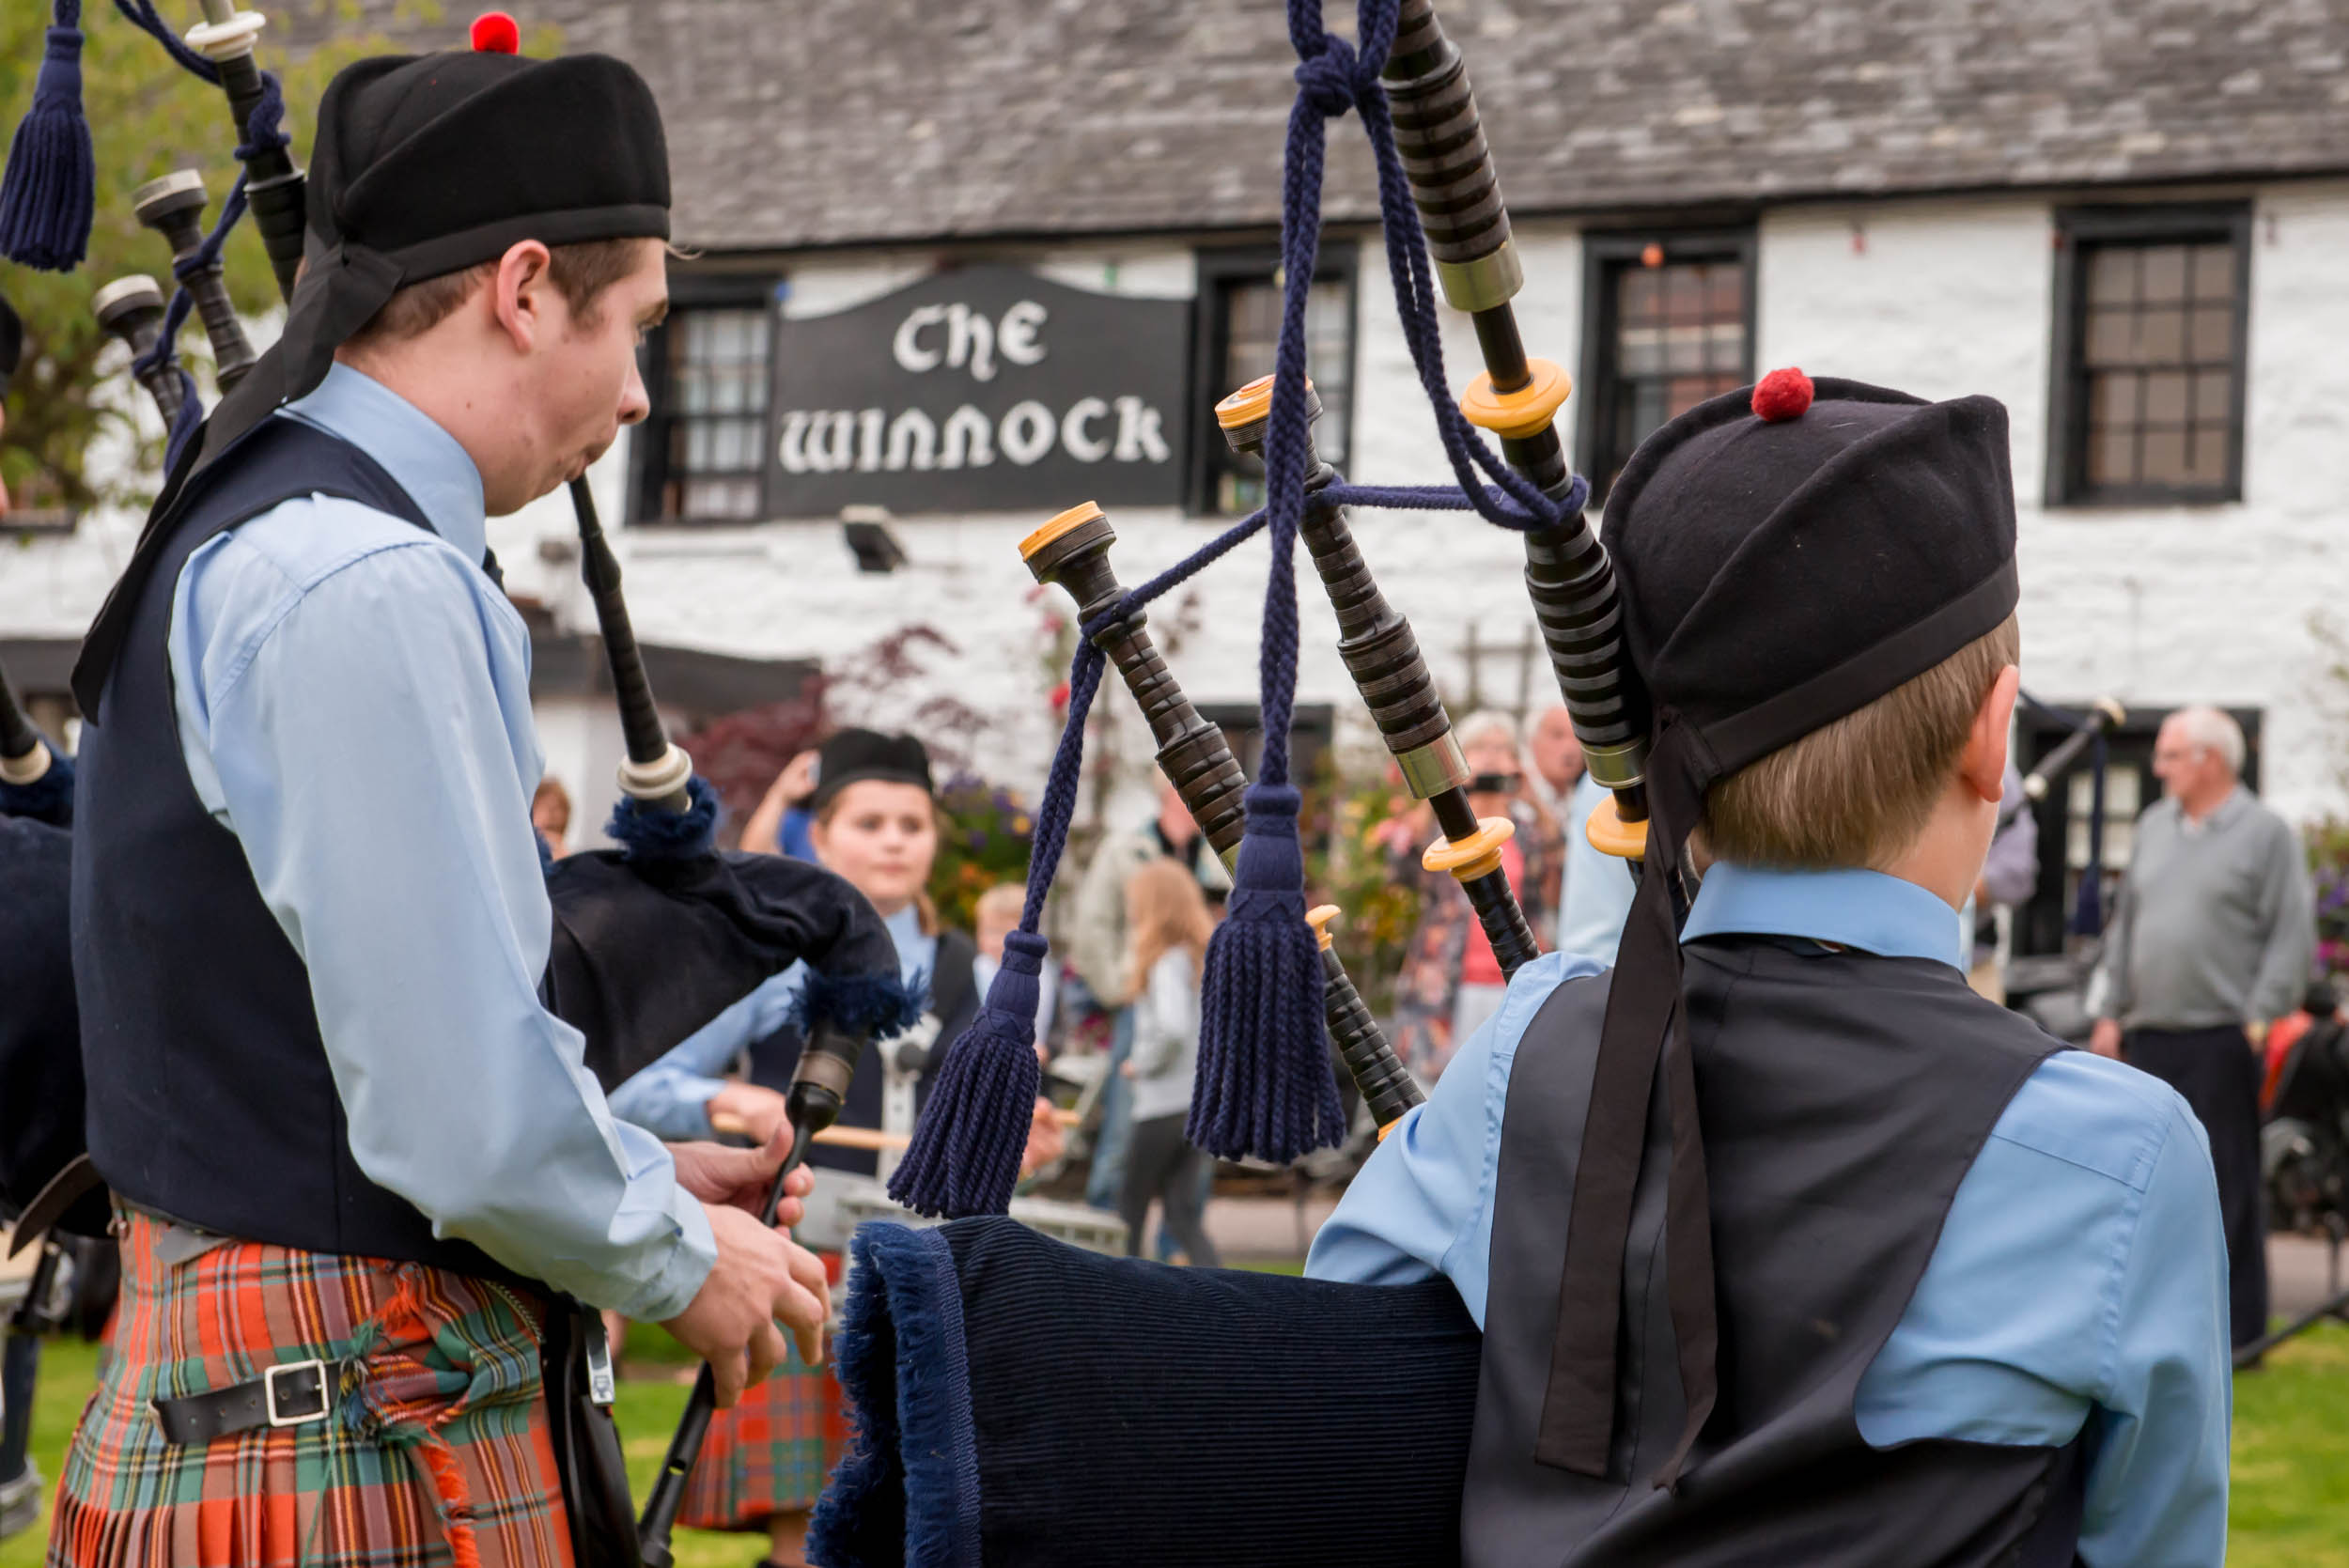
(981, 388)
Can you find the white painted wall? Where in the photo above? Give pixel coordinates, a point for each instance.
(1941, 298)
(2155, 606)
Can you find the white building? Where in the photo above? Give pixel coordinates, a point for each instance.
(2126, 221)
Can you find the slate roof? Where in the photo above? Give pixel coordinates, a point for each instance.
(824, 122)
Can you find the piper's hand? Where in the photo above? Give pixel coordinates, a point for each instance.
(2105, 1039)
(763, 1284)
(740, 1178)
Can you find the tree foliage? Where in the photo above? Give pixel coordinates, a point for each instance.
(146, 117)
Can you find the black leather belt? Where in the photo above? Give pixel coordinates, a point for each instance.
(294, 1395)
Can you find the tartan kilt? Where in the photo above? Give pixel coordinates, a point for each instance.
(771, 1453)
(437, 1454)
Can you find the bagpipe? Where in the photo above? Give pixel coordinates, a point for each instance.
(651, 939)
(1018, 1401)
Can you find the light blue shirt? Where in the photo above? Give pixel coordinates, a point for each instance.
(672, 1096)
(354, 699)
(2081, 1270)
(1597, 898)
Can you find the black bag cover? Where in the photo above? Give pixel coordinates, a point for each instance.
(1020, 1401)
(646, 951)
(41, 1031)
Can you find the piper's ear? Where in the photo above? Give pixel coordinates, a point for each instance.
(518, 294)
(1982, 764)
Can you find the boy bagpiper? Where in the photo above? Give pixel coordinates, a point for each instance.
(1787, 1246)
(355, 1157)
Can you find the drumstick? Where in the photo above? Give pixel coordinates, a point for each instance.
(728, 1125)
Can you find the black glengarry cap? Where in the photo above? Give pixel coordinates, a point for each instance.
(426, 164)
(853, 755)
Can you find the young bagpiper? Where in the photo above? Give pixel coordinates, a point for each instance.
(1787, 1246)
(354, 1156)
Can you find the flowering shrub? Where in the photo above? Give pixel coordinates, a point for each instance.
(982, 838)
(1344, 866)
(2328, 876)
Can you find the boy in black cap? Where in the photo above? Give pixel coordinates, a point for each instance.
(1787, 1246)
(352, 1148)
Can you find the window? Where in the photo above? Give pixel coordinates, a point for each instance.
(2149, 354)
(1243, 332)
(708, 372)
(1668, 321)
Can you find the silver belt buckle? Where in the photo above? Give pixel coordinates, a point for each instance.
(602, 1388)
(268, 1393)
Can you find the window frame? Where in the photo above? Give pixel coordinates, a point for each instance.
(1339, 261)
(2076, 230)
(1604, 254)
(648, 445)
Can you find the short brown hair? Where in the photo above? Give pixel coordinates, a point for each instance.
(582, 273)
(1858, 791)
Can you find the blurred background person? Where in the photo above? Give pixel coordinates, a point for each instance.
(1556, 753)
(1097, 947)
(550, 814)
(2008, 874)
(1168, 924)
(2211, 940)
(1451, 981)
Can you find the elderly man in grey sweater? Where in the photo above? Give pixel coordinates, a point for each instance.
(2211, 941)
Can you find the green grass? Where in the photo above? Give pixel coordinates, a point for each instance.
(2291, 1449)
(2291, 1491)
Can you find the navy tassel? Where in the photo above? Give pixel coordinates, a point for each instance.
(48, 799)
(1265, 1088)
(874, 1004)
(964, 1158)
(48, 196)
(648, 834)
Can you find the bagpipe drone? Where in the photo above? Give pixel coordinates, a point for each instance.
(650, 940)
(1242, 1429)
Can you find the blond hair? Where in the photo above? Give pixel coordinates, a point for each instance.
(1858, 791)
(1164, 910)
(1004, 901)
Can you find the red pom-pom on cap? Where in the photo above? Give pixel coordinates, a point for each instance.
(496, 33)
(1783, 395)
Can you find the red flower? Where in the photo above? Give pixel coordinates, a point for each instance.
(1060, 697)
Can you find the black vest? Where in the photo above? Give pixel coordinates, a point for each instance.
(952, 1002)
(210, 1099)
(1843, 1097)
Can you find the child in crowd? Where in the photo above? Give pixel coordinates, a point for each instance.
(1168, 924)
